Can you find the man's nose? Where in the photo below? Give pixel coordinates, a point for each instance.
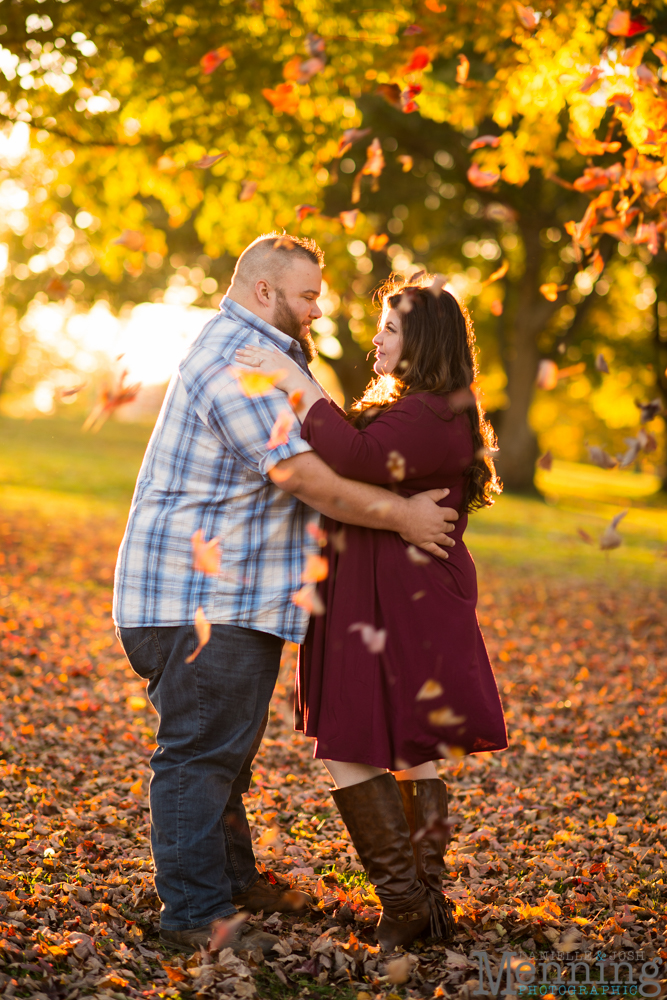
(315, 311)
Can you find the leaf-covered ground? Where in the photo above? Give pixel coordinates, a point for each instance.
(560, 843)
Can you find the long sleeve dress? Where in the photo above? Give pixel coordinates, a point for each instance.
(431, 688)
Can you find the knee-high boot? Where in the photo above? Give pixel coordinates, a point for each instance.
(425, 806)
(373, 814)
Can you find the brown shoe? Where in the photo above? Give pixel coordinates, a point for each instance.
(373, 814)
(273, 895)
(242, 937)
(425, 805)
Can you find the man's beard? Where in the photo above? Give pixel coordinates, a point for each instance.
(285, 319)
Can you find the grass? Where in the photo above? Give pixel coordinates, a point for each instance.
(50, 464)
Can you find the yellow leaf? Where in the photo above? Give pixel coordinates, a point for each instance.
(429, 689)
(136, 703)
(611, 819)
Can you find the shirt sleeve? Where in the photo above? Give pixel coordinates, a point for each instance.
(399, 444)
(243, 423)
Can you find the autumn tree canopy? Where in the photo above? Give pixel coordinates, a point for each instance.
(530, 140)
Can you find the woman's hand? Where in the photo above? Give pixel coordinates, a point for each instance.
(290, 377)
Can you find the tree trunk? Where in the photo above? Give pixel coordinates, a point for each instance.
(517, 441)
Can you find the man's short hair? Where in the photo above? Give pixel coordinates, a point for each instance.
(270, 255)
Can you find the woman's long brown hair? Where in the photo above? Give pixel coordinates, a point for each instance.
(438, 356)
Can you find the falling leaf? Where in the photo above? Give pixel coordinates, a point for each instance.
(294, 398)
(257, 383)
(437, 285)
(622, 102)
(302, 71)
(284, 98)
(597, 263)
(634, 447)
(591, 79)
(396, 466)
(399, 970)
(599, 457)
(203, 631)
(601, 364)
(207, 161)
(57, 289)
(649, 411)
(248, 189)
(349, 219)
(108, 401)
(132, 239)
(406, 162)
(550, 290)
(309, 599)
(338, 540)
(269, 837)
(496, 307)
(611, 538)
(463, 399)
(622, 25)
(413, 29)
(462, 69)
(497, 275)
(74, 391)
(224, 929)
(407, 100)
(317, 534)
(416, 556)
(316, 569)
(210, 62)
(429, 689)
(280, 430)
(419, 60)
(374, 164)
(546, 461)
(435, 6)
(391, 92)
(585, 536)
(547, 374)
(205, 555)
(485, 140)
(647, 232)
(302, 211)
(373, 639)
(377, 241)
(349, 137)
(482, 178)
(445, 717)
(526, 15)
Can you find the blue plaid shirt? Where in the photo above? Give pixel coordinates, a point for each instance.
(206, 467)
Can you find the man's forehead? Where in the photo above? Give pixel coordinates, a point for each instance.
(305, 275)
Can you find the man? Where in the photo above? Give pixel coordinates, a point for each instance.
(207, 468)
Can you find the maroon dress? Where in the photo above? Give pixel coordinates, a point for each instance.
(432, 686)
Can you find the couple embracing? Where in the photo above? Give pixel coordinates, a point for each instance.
(392, 674)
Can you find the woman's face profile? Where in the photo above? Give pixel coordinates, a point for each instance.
(388, 343)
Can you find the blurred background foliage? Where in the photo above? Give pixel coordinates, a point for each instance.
(110, 111)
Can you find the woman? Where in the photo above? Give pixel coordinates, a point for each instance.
(395, 674)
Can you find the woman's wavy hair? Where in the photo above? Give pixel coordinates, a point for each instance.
(439, 356)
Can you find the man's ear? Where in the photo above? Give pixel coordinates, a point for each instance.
(263, 292)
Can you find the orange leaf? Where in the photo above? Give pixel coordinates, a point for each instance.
(316, 569)
(526, 15)
(304, 210)
(28, 730)
(485, 140)
(349, 219)
(135, 788)
(591, 79)
(57, 289)
(621, 24)
(377, 241)
(205, 555)
(497, 275)
(132, 239)
(210, 62)
(280, 430)
(622, 102)
(550, 291)
(284, 98)
(374, 164)
(597, 262)
(295, 398)
(496, 307)
(391, 92)
(308, 599)
(203, 631)
(406, 162)
(175, 974)
(433, 5)
(248, 189)
(396, 465)
(482, 178)
(420, 60)
(462, 69)
(547, 374)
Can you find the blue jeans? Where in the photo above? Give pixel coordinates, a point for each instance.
(212, 714)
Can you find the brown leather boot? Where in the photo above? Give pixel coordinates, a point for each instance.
(425, 806)
(373, 814)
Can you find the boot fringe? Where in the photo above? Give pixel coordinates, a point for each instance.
(443, 924)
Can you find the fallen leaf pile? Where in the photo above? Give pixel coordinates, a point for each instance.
(559, 844)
